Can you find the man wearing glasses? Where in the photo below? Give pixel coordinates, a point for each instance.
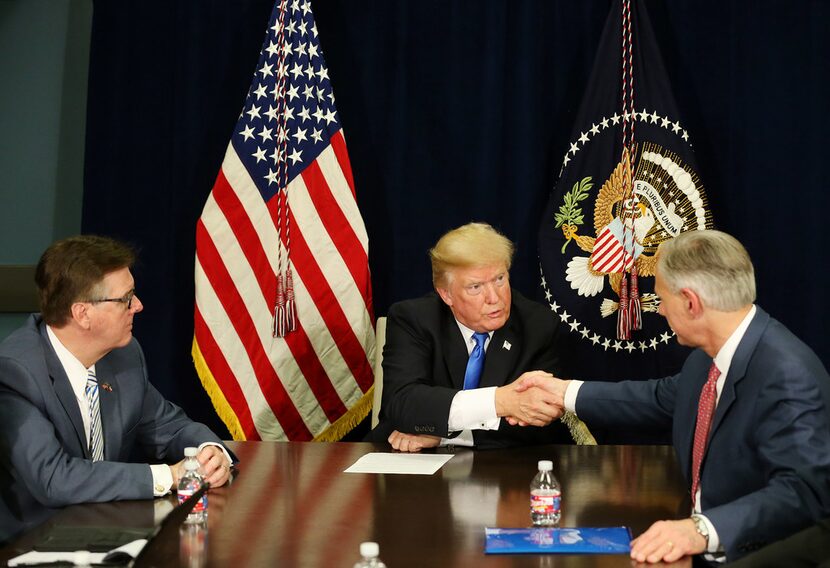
(75, 401)
(451, 357)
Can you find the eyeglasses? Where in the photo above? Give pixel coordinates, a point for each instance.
(125, 299)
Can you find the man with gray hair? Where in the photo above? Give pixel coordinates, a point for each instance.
(451, 357)
(749, 410)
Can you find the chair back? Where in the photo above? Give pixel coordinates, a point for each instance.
(380, 339)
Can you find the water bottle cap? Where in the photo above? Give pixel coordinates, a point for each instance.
(191, 452)
(369, 549)
(545, 465)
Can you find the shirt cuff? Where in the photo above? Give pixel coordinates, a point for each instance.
(570, 395)
(474, 409)
(714, 541)
(465, 439)
(162, 479)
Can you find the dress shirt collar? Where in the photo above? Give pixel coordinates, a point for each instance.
(74, 369)
(469, 342)
(723, 359)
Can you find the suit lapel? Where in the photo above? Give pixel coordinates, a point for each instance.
(63, 390)
(455, 355)
(108, 397)
(501, 356)
(738, 366)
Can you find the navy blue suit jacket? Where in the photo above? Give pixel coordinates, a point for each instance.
(44, 456)
(766, 472)
(424, 360)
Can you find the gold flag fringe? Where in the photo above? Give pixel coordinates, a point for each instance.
(348, 421)
(579, 431)
(217, 397)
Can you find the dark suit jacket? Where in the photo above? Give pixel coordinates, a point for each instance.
(424, 360)
(44, 459)
(766, 472)
(806, 549)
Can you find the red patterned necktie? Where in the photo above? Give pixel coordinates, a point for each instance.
(705, 411)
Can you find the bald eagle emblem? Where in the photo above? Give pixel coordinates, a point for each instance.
(665, 200)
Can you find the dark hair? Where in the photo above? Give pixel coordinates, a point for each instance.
(71, 269)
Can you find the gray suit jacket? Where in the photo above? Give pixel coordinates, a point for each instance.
(766, 472)
(44, 459)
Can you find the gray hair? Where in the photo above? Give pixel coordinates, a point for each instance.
(713, 264)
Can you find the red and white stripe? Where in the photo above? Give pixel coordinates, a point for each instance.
(293, 387)
(609, 253)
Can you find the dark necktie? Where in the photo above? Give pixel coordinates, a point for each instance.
(705, 411)
(475, 364)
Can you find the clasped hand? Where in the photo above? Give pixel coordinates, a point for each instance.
(536, 398)
(404, 442)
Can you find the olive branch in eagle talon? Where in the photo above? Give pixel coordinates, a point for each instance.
(570, 214)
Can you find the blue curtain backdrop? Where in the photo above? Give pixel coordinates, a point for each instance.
(454, 111)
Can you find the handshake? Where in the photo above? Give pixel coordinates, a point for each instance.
(536, 398)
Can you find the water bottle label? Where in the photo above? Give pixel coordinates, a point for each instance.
(544, 504)
(183, 495)
(200, 506)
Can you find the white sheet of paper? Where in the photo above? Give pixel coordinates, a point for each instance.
(78, 558)
(417, 464)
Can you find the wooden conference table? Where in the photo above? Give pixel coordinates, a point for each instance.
(291, 505)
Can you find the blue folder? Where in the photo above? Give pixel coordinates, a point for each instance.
(605, 540)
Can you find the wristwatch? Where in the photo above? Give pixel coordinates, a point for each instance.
(701, 528)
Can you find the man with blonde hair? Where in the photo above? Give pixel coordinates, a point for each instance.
(451, 357)
(749, 410)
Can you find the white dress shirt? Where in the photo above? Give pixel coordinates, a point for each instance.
(472, 409)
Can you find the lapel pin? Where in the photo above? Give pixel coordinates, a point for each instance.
(506, 345)
(106, 386)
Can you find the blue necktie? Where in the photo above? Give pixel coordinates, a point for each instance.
(96, 442)
(475, 364)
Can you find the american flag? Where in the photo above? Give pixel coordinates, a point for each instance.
(283, 205)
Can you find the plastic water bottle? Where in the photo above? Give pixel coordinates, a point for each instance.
(545, 497)
(190, 483)
(369, 556)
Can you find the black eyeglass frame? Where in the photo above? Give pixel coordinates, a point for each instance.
(125, 299)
